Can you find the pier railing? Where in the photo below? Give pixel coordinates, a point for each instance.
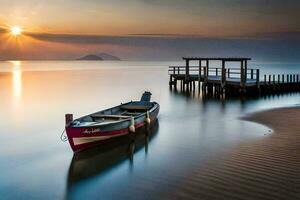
(280, 78)
(232, 76)
(248, 74)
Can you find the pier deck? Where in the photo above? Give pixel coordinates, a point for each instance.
(216, 79)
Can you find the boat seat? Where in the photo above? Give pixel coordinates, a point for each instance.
(110, 116)
(131, 113)
(136, 107)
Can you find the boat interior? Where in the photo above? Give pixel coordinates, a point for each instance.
(123, 111)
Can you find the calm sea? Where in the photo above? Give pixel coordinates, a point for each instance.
(36, 164)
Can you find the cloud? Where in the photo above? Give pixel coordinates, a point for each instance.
(262, 46)
(3, 30)
(133, 39)
(154, 38)
(272, 4)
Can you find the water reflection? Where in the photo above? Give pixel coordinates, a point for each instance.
(97, 161)
(242, 103)
(191, 131)
(16, 79)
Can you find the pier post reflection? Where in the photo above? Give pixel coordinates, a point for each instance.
(207, 100)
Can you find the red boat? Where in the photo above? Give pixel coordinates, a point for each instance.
(99, 127)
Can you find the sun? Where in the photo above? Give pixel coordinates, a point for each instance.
(16, 30)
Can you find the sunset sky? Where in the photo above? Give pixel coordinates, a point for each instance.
(56, 29)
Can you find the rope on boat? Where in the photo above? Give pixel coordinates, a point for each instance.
(63, 136)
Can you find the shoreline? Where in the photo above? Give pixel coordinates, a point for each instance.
(268, 168)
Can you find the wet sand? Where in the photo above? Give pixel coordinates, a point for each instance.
(267, 168)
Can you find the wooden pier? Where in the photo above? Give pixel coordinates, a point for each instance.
(229, 81)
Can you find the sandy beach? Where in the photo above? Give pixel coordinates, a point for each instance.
(267, 168)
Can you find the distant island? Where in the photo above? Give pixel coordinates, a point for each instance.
(101, 56)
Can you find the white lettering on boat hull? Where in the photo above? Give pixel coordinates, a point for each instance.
(84, 140)
(92, 131)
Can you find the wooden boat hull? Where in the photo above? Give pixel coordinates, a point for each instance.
(81, 138)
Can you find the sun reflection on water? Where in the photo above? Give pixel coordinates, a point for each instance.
(17, 79)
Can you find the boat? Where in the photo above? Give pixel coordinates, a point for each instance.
(100, 127)
(102, 158)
